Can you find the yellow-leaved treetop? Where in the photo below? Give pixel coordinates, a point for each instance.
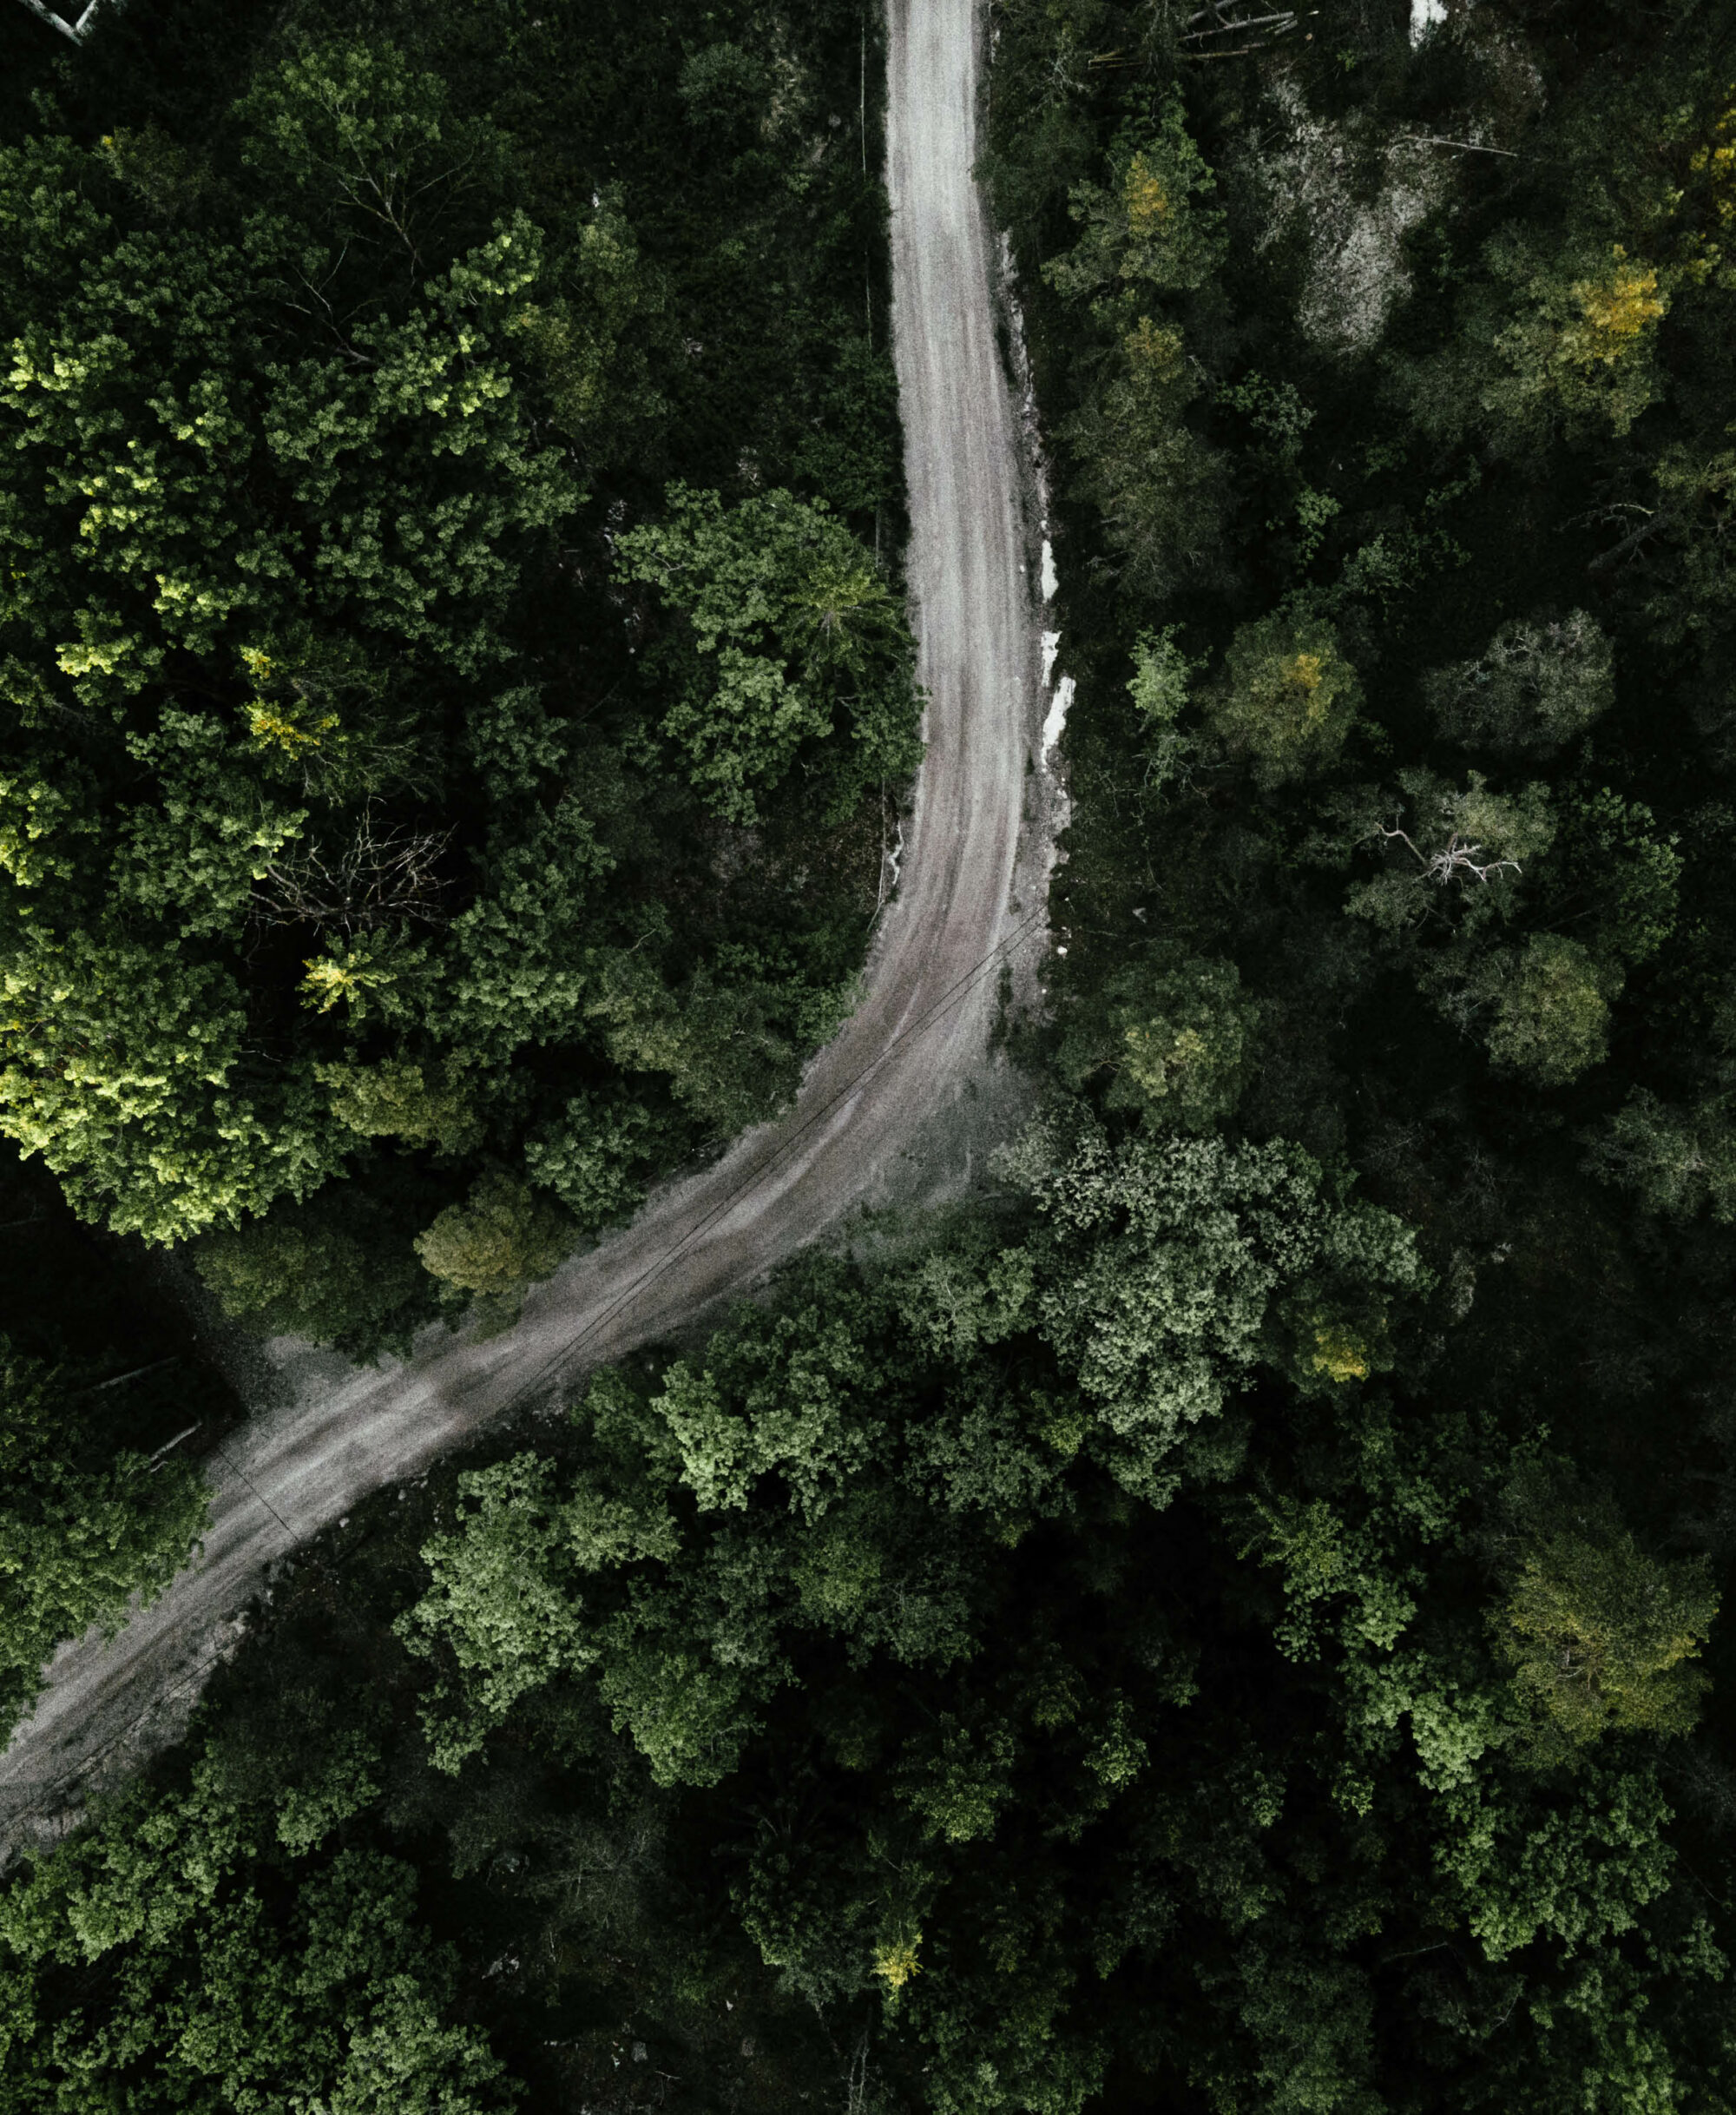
(1339, 1352)
(1288, 696)
(895, 1962)
(1147, 197)
(1579, 350)
(1618, 310)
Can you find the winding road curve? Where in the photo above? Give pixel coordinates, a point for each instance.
(874, 1100)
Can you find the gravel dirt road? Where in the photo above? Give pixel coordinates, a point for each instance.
(888, 1111)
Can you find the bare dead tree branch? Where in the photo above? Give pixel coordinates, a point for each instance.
(1454, 860)
(1465, 146)
(1654, 521)
(1223, 28)
(74, 30)
(376, 877)
(392, 201)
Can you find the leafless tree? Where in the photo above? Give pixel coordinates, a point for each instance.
(1454, 860)
(74, 29)
(858, 2076)
(1219, 18)
(378, 876)
(1231, 19)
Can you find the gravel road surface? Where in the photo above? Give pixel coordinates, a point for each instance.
(881, 1110)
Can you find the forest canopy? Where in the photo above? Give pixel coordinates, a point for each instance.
(1232, 1615)
(427, 759)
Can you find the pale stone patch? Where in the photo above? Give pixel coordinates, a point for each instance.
(1425, 15)
(1357, 274)
(1058, 706)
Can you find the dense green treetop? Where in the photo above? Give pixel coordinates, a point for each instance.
(217, 1966)
(366, 713)
(82, 1527)
(788, 619)
(1231, 1619)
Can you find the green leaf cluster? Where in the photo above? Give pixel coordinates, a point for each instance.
(83, 1526)
(390, 662)
(216, 1964)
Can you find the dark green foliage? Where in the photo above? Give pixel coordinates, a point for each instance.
(786, 621)
(1067, 1781)
(1233, 1623)
(339, 1269)
(382, 727)
(200, 1958)
(1459, 362)
(105, 1405)
(82, 1527)
(1173, 1034)
(854, 1702)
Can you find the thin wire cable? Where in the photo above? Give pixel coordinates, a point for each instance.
(235, 1469)
(199, 1668)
